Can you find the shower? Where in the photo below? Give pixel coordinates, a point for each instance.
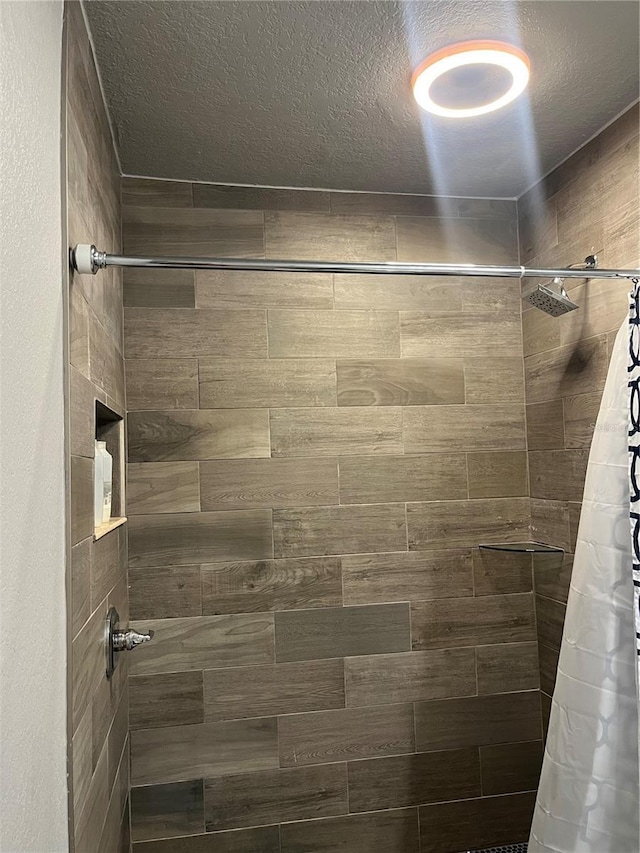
(552, 298)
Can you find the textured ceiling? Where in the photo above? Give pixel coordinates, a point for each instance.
(316, 94)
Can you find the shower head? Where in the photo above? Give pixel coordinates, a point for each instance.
(552, 298)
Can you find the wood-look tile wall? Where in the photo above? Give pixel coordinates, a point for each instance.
(589, 204)
(313, 462)
(99, 708)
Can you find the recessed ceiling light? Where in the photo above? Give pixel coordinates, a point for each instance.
(471, 78)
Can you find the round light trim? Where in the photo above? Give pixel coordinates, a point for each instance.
(498, 53)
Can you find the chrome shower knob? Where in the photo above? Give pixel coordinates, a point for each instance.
(118, 640)
(128, 640)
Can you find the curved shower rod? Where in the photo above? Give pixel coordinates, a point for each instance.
(87, 259)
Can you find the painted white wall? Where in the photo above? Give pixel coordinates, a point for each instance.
(33, 806)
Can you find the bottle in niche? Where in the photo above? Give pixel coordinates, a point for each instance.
(98, 485)
(107, 481)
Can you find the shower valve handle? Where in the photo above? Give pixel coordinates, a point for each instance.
(118, 640)
(128, 640)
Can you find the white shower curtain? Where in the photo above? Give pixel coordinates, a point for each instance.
(589, 795)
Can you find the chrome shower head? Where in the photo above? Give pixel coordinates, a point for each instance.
(552, 298)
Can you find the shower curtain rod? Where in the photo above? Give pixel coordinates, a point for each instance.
(87, 259)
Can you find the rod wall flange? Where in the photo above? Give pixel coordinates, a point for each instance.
(87, 260)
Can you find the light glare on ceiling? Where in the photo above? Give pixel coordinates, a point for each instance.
(495, 53)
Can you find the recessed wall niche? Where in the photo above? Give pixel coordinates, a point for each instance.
(110, 429)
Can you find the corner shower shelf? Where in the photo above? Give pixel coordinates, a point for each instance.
(523, 547)
(107, 527)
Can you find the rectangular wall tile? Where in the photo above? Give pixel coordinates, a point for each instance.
(108, 565)
(410, 677)
(81, 414)
(106, 369)
(87, 661)
(408, 576)
(502, 572)
(463, 524)
(457, 335)
(187, 333)
(552, 576)
(116, 833)
(82, 761)
(143, 192)
(193, 232)
(169, 699)
(472, 621)
(247, 289)
(538, 222)
(394, 831)
(161, 592)
(259, 198)
(407, 780)
(189, 434)
(386, 203)
(494, 380)
(400, 382)
(545, 426)
(162, 487)
(78, 330)
(205, 642)
(481, 823)
(80, 584)
(342, 631)
(324, 737)
(274, 382)
(81, 498)
(158, 288)
(511, 767)
(497, 297)
(550, 621)
(548, 668)
(538, 334)
(497, 474)
(299, 793)
(284, 688)
(448, 240)
(162, 383)
(163, 811)
(370, 479)
(255, 483)
(187, 538)
(433, 429)
(208, 749)
(339, 530)
(558, 475)
(422, 205)
(551, 523)
(580, 416)
(341, 334)
(607, 300)
(271, 585)
(397, 293)
(579, 368)
(318, 236)
(88, 823)
(262, 839)
(507, 667)
(477, 721)
(336, 432)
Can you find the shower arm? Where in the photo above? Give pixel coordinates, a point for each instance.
(86, 259)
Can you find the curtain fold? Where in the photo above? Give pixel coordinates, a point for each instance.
(589, 795)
